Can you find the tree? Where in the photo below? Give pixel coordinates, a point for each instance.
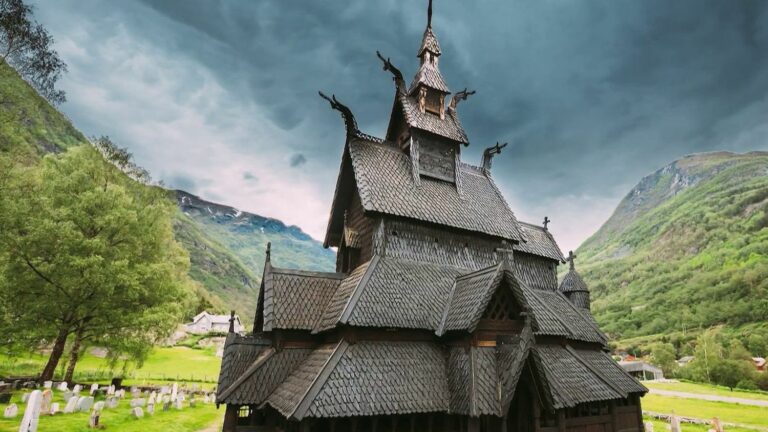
(90, 253)
(732, 372)
(663, 356)
(27, 46)
(758, 343)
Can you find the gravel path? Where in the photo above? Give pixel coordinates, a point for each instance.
(714, 398)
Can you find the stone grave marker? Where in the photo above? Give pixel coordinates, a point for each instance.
(166, 405)
(137, 403)
(93, 421)
(150, 408)
(45, 401)
(63, 386)
(98, 406)
(112, 402)
(174, 391)
(137, 412)
(674, 423)
(24, 397)
(76, 389)
(11, 411)
(48, 384)
(55, 408)
(111, 390)
(71, 405)
(68, 395)
(85, 403)
(32, 413)
(94, 387)
(179, 404)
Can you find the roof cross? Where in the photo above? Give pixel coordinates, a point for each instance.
(546, 222)
(232, 321)
(571, 258)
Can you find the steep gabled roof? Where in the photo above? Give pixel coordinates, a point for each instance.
(429, 42)
(554, 315)
(398, 378)
(539, 241)
(469, 298)
(575, 377)
(239, 353)
(385, 183)
(295, 299)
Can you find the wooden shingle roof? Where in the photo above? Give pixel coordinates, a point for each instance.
(447, 127)
(239, 354)
(539, 241)
(385, 183)
(295, 299)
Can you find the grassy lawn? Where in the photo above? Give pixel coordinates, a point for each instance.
(119, 418)
(727, 412)
(164, 364)
(705, 389)
(661, 426)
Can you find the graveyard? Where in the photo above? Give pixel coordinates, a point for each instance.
(60, 408)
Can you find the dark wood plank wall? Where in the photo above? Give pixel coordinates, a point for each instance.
(363, 225)
(437, 158)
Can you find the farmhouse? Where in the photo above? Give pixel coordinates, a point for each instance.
(208, 323)
(444, 313)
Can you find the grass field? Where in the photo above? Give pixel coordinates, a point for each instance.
(688, 387)
(186, 420)
(660, 426)
(727, 412)
(164, 364)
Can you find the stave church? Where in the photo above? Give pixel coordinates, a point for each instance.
(444, 312)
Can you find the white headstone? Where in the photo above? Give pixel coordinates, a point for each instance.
(164, 389)
(48, 384)
(45, 401)
(24, 397)
(55, 408)
(11, 411)
(85, 403)
(152, 398)
(206, 399)
(71, 405)
(137, 412)
(174, 391)
(94, 387)
(648, 426)
(63, 386)
(111, 390)
(674, 423)
(67, 395)
(98, 406)
(32, 413)
(179, 403)
(76, 389)
(137, 403)
(151, 408)
(112, 402)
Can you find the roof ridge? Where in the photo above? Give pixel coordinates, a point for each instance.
(595, 371)
(338, 350)
(358, 291)
(257, 363)
(477, 272)
(308, 273)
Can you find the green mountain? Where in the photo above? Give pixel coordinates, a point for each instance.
(686, 249)
(226, 246)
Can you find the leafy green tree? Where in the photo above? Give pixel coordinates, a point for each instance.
(758, 343)
(730, 373)
(737, 351)
(663, 355)
(27, 46)
(88, 252)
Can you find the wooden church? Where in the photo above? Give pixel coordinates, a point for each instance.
(444, 313)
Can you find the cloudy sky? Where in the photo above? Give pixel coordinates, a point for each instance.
(220, 97)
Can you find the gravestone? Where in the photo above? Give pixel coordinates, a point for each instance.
(174, 391)
(648, 426)
(93, 421)
(32, 413)
(45, 401)
(192, 401)
(84, 404)
(150, 408)
(674, 423)
(71, 405)
(63, 386)
(98, 406)
(94, 387)
(11, 411)
(179, 403)
(76, 389)
(166, 405)
(48, 384)
(55, 408)
(137, 403)
(111, 390)
(24, 397)
(716, 425)
(112, 402)
(68, 395)
(152, 398)
(137, 412)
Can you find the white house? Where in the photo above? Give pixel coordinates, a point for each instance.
(208, 323)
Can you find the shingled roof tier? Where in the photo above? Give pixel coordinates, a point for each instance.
(295, 299)
(239, 354)
(448, 127)
(385, 183)
(539, 241)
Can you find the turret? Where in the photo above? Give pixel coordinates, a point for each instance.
(574, 287)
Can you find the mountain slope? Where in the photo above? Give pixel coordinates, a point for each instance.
(29, 125)
(686, 248)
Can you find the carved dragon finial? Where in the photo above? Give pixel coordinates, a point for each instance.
(489, 153)
(460, 96)
(346, 114)
(397, 76)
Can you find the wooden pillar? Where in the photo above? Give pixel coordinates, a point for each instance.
(473, 425)
(639, 411)
(230, 418)
(536, 416)
(614, 417)
(561, 420)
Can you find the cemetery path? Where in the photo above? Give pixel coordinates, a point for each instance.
(715, 398)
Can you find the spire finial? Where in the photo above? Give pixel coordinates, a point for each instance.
(571, 258)
(429, 15)
(546, 221)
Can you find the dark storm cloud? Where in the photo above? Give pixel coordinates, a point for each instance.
(590, 94)
(298, 160)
